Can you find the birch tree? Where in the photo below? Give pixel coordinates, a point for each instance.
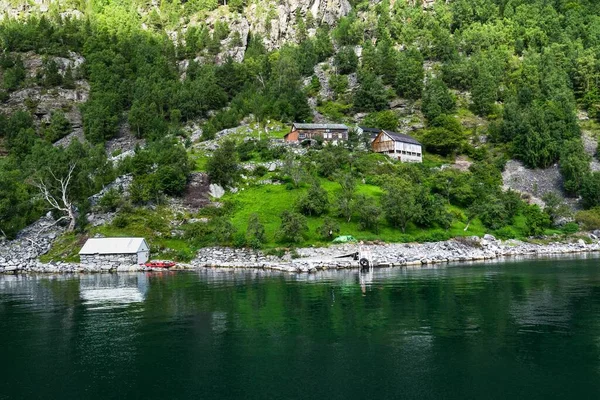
(55, 191)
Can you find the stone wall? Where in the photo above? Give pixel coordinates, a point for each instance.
(108, 260)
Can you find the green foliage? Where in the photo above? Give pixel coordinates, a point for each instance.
(400, 202)
(346, 60)
(369, 213)
(445, 135)
(433, 211)
(410, 74)
(58, 127)
(536, 221)
(314, 202)
(370, 94)
(255, 233)
(13, 72)
(50, 76)
(329, 230)
(159, 169)
(437, 99)
(293, 227)
(224, 231)
(111, 201)
(590, 190)
(222, 166)
(574, 165)
(387, 120)
(570, 228)
(339, 84)
(589, 219)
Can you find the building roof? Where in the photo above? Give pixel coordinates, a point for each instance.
(320, 126)
(400, 137)
(113, 246)
(370, 130)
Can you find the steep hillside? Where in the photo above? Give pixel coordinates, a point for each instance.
(154, 90)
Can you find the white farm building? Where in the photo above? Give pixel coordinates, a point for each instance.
(117, 251)
(399, 146)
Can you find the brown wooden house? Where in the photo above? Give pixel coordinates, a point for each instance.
(326, 132)
(398, 146)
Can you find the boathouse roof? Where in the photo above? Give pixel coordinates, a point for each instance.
(114, 246)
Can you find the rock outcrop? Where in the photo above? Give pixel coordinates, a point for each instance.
(42, 102)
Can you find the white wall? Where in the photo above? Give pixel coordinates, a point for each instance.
(142, 256)
(408, 152)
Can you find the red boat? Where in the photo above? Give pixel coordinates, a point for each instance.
(160, 264)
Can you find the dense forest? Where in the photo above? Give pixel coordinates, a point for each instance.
(525, 68)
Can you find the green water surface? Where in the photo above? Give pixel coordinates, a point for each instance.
(518, 330)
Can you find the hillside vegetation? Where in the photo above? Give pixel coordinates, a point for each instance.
(487, 80)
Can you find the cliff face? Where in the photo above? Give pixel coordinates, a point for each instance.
(42, 101)
(273, 20)
(282, 21)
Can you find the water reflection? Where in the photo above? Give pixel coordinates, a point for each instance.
(432, 332)
(108, 290)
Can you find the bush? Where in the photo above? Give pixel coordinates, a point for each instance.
(314, 202)
(255, 232)
(506, 233)
(329, 229)
(259, 171)
(293, 227)
(569, 228)
(346, 60)
(110, 201)
(120, 221)
(435, 236)
(589, 219)
(239, 240)
(382, 120)
(537, 221)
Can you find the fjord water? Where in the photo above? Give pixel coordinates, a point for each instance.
(506, 330)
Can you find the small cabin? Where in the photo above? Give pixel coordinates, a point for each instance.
(333, 133)
(398, 146)
(119, 251)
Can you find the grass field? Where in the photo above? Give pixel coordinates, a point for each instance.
(269, 201)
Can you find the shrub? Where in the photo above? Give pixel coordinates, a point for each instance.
(255, 232)
(329, 229)
(537, 220)
(110, 201)
(293, 227)
(589, 219)
(505, 233)
(314, 202)
(569, 228)
(435, 236)
(239, 240)
(259, 171)
(224, 230)
(120, 221)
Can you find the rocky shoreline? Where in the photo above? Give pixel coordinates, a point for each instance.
(390, 255)
(22, 257)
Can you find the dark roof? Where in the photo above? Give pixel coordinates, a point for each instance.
(320, 126)
(400, 137)
(370, 130)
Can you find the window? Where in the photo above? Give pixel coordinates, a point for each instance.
(302, 136)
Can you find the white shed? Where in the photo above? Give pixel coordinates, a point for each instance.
(115, 250)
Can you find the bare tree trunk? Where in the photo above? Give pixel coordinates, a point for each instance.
(62, 203)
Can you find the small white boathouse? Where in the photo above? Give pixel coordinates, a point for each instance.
(121, 251)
